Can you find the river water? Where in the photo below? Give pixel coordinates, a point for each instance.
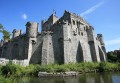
(83, 78)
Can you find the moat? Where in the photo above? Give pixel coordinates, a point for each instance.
(83, 78)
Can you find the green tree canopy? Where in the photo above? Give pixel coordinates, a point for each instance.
(1, 27)
(112, 57)
(6, 34)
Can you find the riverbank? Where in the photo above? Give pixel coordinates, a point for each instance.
(102, 77)
(55, 69)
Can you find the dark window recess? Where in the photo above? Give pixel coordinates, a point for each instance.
(33, 42)
(84, 28)
(82, 33)
(60, 39)
(69, 39)
(73, 22)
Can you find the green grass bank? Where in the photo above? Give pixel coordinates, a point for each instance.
(32, 70)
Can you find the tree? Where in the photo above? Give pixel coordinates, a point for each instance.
(1, 27)
(112, 57)
(6, 34)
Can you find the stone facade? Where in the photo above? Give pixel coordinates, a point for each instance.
(62, 40)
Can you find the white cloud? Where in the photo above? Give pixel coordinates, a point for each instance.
(112, 42)
(24, 16)
(92, 9)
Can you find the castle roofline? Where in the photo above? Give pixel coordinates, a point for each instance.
(29, 23)
(76, 15)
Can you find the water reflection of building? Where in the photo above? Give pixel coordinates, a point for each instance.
(83, 78)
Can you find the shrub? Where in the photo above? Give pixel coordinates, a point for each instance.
(16, 70)
(6, 80)
(61, 68)
(8, 69)
(102, 66)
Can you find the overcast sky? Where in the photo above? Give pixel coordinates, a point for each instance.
(103, 15)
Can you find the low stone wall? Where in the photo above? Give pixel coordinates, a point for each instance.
(4, 61)
(61, 74)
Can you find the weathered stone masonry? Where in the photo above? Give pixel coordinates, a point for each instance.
(62, 40)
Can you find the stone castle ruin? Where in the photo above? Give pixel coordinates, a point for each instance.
(69, 39)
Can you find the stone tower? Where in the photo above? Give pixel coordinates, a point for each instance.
(16, 33)
(31, 37)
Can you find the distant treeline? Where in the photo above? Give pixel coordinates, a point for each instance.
(113, 56)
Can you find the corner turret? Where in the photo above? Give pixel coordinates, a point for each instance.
(16, 33)
(31, 29)
(100, 38)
